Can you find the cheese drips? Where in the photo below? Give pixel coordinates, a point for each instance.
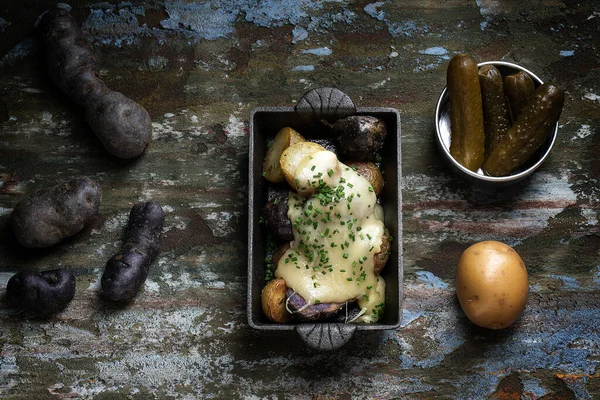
(338, 227)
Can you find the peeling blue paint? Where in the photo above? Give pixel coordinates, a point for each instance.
(205, 21)
(304, 68)
(554, 349)
(431, 280)
(319, 51)
(409, 316)
(395, 28)
(3, 24)
(299, 34)
(568, 282)
(567, 53)
(596, 276)
(534, 387)
(20, 51)
(435, 51)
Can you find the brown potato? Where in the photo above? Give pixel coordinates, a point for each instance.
(293, 156)
(370, 172)
(279, 252)
(273, 297)
(491, 284)
(284, 139)
(382, 256)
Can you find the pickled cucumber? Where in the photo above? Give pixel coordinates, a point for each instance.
(496, 119)
(517, 88)
(467, 137)
(537, 120)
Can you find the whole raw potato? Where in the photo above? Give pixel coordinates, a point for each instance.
(492, 284)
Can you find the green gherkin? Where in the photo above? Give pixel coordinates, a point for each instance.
(495, 111)
(518, 87)
(528, 133)
(467, 137)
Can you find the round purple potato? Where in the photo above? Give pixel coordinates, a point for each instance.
(276, 215)
(126, 271)
(360, 137)
(44, 292)
(48, 216)
(122, 125)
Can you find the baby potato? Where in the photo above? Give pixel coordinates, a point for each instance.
(284, 139)
(273, 297)
(492, 284)
(370, 172)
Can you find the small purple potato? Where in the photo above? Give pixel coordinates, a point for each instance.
(44, 292)
(126, 272)
(276, 215)
(48, 216)
(314, 312)
(360, 137)
(122, 125)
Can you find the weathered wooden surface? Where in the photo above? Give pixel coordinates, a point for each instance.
(199, 69)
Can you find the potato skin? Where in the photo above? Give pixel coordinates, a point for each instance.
(276, 215)
(122, 125)
(48, 216)
(127, 270)
(44, 292)
(273, 297)
(360, 137)
(284, 139)
(370, 172)
(492, 284)
(382, 256)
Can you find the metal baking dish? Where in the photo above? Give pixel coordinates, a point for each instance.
(322, 104)
(442, 125)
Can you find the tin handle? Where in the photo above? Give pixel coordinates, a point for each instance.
(324, 336)
(325, 103)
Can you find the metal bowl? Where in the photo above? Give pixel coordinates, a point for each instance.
(442, 126)
(322, 104)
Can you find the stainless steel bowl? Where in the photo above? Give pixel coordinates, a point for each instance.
(442, 126)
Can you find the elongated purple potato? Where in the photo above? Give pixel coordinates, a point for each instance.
(48, 216)
(44, 292)
(126, 271)
(122, 125)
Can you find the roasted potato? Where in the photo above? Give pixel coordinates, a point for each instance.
(126, 271)
(44, 292)
(276, 215)
(370, 172)
(279, 252)
(360, 137)
(273, 298)
(284, 139)
(314, 312)
(382, 256)
(293, 156)
(48, 216)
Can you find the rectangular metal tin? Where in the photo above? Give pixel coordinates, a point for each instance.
(265, 122)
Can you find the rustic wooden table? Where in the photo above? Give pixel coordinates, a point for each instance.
(199, 69)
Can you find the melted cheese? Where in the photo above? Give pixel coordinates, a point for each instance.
(338, 227)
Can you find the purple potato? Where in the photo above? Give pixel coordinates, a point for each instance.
(44, 292)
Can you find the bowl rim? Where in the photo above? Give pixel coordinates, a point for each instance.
(475, 175)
